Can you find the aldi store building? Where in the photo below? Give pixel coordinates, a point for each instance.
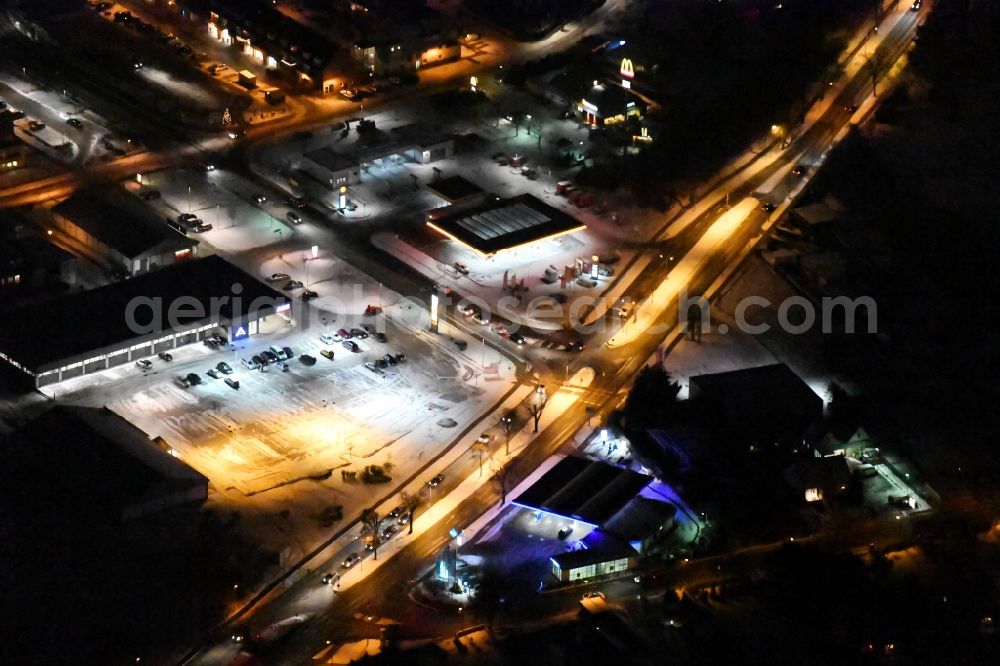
(98, 329)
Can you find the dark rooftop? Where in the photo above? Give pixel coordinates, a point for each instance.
(586, 490)
(505, 224)
(330, 159)
(40, 336)
(454, 188)
(131, 232)
(84, 458)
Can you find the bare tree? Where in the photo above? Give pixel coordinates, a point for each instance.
(536, 403)
(410, 504)
(371, 523)
(507, 423)
(876, 65)
(504, 472)
(480, 449)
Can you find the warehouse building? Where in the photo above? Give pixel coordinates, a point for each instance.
(107, 469)
(120, 234)
(94, 330)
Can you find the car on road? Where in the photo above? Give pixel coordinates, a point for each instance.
(517, 338)
(36, 125)
(351, 560)
(297, 202)
(330, 338)
(293, 217)
(144, 364)
(351, 345)
(850, 108)
(917, 4)
(593, 595)
(380, 337)
(481, 318)
(75, 123)
(372, 544)
(292, 284)
(397, 512)
(209, 167)
(224, 368)
(389, 530)
(278, 277)
(768, 207)
(309, 294)
(436, 481)
(165, 356)
(484, 438)
(213, 373)
(237, 134)
(306, 359)
(461, 268)
(259, 199)
(799, 170)
(330, 578)
(358, 333)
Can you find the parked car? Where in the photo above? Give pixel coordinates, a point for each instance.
(517, 338)
(351, 345)
(149, 195)
(278, 277)
(390, 359)
(297, 202)
(166, 356)
(224, 368)
(309, 294)
(279, 352)
(144, 364)
(306, 359)
(293, 217)
(436, 481)
(213, 373)
(389, 530)
(194, 378)
(351, 560)
(261, 362)
(184, 218)
(330, 578)
(251, 363)
(344, 334)
(400, 358)
(326, 353)
(461, 268)
(182, 381)
(371, 366)
(269, 357)
(259, 199)
(36, 125)
(292, 284)
(358, 333)
(201, 227)
(330, 338)
(233, 383)
(75, 123)
(380, 336)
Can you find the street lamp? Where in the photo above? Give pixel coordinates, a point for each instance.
(507, 422)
